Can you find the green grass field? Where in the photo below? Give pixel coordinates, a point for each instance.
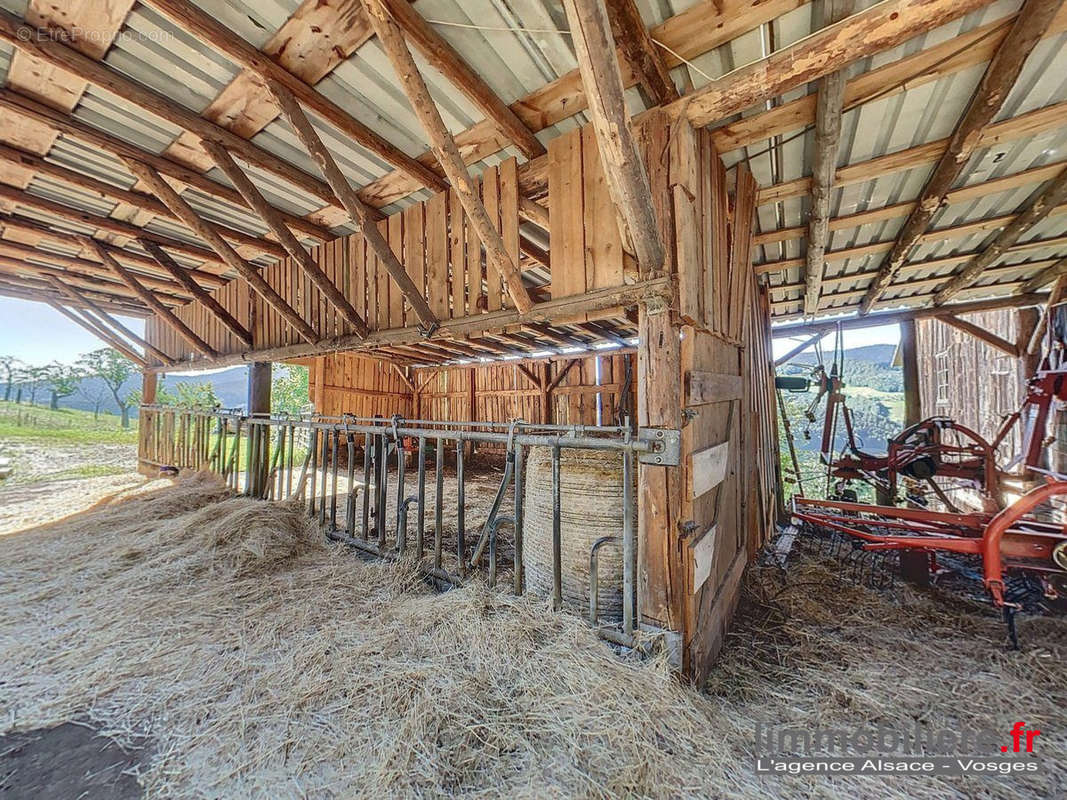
(66, 425)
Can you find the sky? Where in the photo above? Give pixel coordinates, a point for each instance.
(882, 334)
(36, 333)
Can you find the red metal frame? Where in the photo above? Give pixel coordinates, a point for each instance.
(1009, 539)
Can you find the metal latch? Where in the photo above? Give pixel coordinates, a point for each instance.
(666, 446)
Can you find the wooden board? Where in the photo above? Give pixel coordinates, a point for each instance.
(709, 467)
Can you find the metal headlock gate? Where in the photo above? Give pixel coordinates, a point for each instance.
(306, 459)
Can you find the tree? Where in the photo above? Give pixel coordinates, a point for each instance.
(62, 380)
(194, 395)
(32, 378)
(114, 369)
(289, 391)
(9, 365)
(97, 393)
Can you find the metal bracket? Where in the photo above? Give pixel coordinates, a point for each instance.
(666, 446)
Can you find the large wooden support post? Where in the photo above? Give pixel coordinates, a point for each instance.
(146, 427)
(914, 564)
(259, 379)
(661, 573)
(149, 387)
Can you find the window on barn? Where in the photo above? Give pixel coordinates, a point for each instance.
(941, 367)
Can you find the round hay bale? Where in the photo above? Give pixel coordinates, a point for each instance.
(590, 507)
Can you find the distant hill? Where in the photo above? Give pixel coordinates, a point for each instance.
(231, 387)
(878, 354)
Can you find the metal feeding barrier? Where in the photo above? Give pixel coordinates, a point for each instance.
(347, 469)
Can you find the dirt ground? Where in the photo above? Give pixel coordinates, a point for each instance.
(72, 760)
(52, 481)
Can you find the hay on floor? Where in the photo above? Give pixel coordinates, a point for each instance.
(260, 661)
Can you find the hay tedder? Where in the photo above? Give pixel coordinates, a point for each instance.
(1016, 544)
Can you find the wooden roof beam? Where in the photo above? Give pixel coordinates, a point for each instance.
(205, 298)
(103, 284)
(86, 268)
(1050, 198)
(114, 296)
(975, 46)
(897, 210)
(150, 300)
(105, 319)
(981, 334)
(258, 284)
(444, 147)
(143, 202)
(211, 32)
(828, 111)
(303, 259)
(16, 287)
(106, 336)
(627, 181)
(1029, 27)
(640, 52)
(54, 53)
(106, 224)
(360, 214)
(444, 58)
(1045, 277)
(67, 125)
(893, 317)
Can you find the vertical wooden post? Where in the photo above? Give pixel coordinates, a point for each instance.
(149, 385)
(914, 564)
(661, 587)
(1027, 321)
(319, 396)
(259, 379)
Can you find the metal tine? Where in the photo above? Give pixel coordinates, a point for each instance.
(381, 453)
(313, 447)
(367, 454)
(557, 564)
(594, 578)
(438, 515)
(350, 505)
(517, 521)
(420, 508)
(461, 501)
(333, 485)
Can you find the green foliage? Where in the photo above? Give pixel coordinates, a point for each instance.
(289, 391)
(62, 380)
(189, 395)
(114, 369)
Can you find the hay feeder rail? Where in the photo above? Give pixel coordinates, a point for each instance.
(314, 460)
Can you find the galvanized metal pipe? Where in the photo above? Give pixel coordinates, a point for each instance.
(594, 578)
(557, 557)
(421, 507)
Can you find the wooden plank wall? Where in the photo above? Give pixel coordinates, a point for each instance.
(342, 383)
(983, 383)
(433, 240)
(730, 454)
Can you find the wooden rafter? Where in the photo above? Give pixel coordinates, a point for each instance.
(35, 290)
(206, 299)
(695, 31)
(1045, 277)
(983, 335)
(150, 300)
(258, 284)
(1050, 198)
(208, 30)
(101, 333)
(625, 172)
(360, 214)
(22, 198)
(269, 215)
(796, 351)
(1032, 123)
(115, 296)
(975, 46)
(807, 328)
(444, 147)
(989, 97)
(55, 53)
(136, 200)
(972, 191)
(444, 58)
(83, 270)
(64, 123)
(828, 110)
(104, 318)
(640, 52)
